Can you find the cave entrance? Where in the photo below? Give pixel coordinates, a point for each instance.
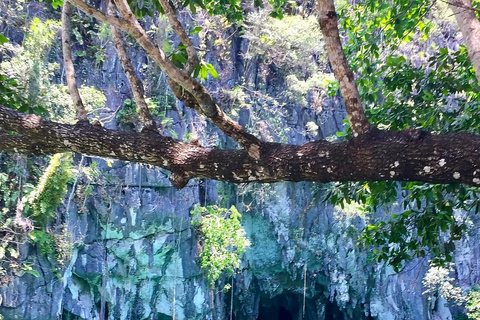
(333, 312)
(283, 307)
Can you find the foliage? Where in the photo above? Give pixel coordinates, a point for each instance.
(231, 9)
(223, 240)
(45, 242)
(285, 43)
(427, 87)
(29, 67)
(19, 197)
(127, 112)
(90, 39)
(51, 189)
(473, 303)
(421, 85)
(25, 79)
(15, 184)
(9, 96)
(179, 58)
(55, 3)
(427, 223)
(437, 281)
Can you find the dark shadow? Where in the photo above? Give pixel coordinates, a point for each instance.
(284, 314)
(332, 311)
(282, 307)
(268, 312)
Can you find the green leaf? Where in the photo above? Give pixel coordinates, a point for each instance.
(3, 39)
(195, 30)
(196, 72)
(166, 46)
(33, 273)
(203, 72)
(212, 70)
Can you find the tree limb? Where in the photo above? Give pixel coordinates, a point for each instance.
(376, 156)
(68, 62)
(135, 84)
(203, 98)
(327, 18)
(470, 27)
(97, 14)
(193, 60)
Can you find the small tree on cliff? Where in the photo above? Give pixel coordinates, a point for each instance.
(414, 154)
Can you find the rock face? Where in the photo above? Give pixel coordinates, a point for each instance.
(136, 252)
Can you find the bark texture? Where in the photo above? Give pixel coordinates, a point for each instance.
(470, 27)
(135, 84)
(376, 156)
(68, 62)
(327, 18)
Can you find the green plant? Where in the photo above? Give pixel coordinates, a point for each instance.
(473, 303)
(438, 281)
(223, 240)
(28, 85)
(431, 88)
(51, 189)
(284, 43)
(45, 241)
(128, 112)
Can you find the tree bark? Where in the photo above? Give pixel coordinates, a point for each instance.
(135, 84)
(470, 27)
(68, 62)
(327, 18)
(376, 156)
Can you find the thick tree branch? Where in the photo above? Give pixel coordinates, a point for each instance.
(205, 101)
(67, 59)
(327, 17)
(376, 156)
(135, 84)
(193, 60)
(470, 27)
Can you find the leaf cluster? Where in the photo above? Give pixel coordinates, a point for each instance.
(223, 240)
(51, 189)
(233, 10)
(430, 88)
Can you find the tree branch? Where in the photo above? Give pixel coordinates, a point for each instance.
(201, 95)
(97, 14)
(67, 59)
(470, 27)
(193, 60)
(327, 18)
(135, 84)
(376, 156)
(221, 120)
(453, 3)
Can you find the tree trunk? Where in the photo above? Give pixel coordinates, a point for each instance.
(470, 27)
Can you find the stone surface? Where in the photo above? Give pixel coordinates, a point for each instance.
(136, 253)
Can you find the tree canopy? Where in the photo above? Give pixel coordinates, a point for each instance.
(409, 121)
